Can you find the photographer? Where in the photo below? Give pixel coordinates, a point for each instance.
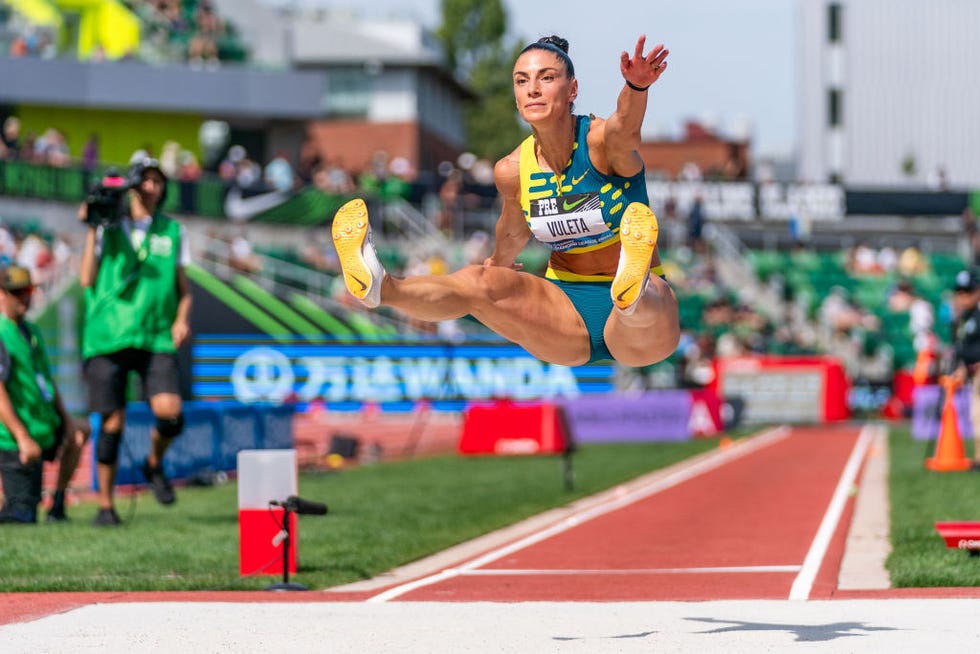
(137, 307)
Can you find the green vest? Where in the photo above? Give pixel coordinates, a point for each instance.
(133, 302)
(29, 385)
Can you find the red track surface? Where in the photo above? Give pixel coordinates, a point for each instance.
(762, 510)
(756, 516)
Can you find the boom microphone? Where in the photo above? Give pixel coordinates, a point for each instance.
(299, 506)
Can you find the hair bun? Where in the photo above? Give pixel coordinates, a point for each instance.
(557, 41)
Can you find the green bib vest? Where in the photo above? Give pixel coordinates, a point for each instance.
(133, 302)
(29, 385)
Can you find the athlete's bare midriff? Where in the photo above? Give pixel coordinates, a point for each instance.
(597, 262)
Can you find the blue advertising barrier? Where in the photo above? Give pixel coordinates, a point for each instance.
(214, 433)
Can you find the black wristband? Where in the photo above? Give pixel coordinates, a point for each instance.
(639, 89)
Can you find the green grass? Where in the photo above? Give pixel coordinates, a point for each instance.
(381, 516)
(920, 498)
(385, 515)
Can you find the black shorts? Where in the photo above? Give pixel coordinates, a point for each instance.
(107, 377)
(21, 487)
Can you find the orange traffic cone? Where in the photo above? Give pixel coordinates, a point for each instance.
(949, 449)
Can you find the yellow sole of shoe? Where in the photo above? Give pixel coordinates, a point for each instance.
(638, 237)
(350, 228)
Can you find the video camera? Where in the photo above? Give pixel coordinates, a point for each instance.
(106, 201)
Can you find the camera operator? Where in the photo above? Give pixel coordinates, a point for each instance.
(137, 307)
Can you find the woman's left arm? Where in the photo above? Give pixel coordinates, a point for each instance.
(622, 129)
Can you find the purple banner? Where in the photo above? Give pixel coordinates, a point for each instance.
(610, 418)
(927, 411)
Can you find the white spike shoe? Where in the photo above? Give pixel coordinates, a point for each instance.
(363, 272)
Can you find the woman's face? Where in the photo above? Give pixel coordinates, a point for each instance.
(542, 87)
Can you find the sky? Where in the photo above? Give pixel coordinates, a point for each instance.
(731, 64)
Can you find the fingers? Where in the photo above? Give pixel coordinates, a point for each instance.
(30, 453)
(657, 55)
(640, 43)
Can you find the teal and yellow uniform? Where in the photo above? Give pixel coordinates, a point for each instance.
(578, 211)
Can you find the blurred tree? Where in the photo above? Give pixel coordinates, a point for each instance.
(473, 33)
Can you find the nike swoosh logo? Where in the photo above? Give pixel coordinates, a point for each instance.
(364, 286)
(239, 208)
(579, 179)
(625, 291)
(568, 206)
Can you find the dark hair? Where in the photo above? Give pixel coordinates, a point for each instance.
(557, 46)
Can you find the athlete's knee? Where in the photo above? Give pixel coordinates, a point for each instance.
(107, 447)
(170, 427)
(490, 282)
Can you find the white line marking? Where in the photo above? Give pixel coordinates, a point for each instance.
(504, 572)
(641, 492)
(803, 583)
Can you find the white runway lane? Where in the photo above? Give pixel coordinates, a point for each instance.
(851, 626)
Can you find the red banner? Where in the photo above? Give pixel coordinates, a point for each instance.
(506, 427)
(784, 389)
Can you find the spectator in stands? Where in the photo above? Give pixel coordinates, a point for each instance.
(911, 262)
(203, 46)
(188, 173)
(695, 225)
(310, 162)
(863, 260)
(278, 173)
(170, 158)
(901, 297)
(228, 168)
(137, 309)
(241, 257)
(51, 148)
(90, 160)
(189, 169)
(603, 297)
(34, 425)
(970, 248)
(27, 146)
(90, 153)
(333, 177)
(450, 201)
(966, 345)
(887, 259)
(11, 137)
(8, 246)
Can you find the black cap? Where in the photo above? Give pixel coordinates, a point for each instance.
(15, 278)
(966, 281)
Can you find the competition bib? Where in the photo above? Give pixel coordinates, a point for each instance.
(568, 221)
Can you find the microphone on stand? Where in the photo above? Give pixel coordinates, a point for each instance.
(299, 506)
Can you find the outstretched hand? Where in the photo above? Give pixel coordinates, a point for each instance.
(642, 70)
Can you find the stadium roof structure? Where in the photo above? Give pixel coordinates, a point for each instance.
(335, 41)
(229, 91)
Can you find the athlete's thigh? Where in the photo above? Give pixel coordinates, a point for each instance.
(534, 313)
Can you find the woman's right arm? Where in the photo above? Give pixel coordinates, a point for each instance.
(512, 232)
